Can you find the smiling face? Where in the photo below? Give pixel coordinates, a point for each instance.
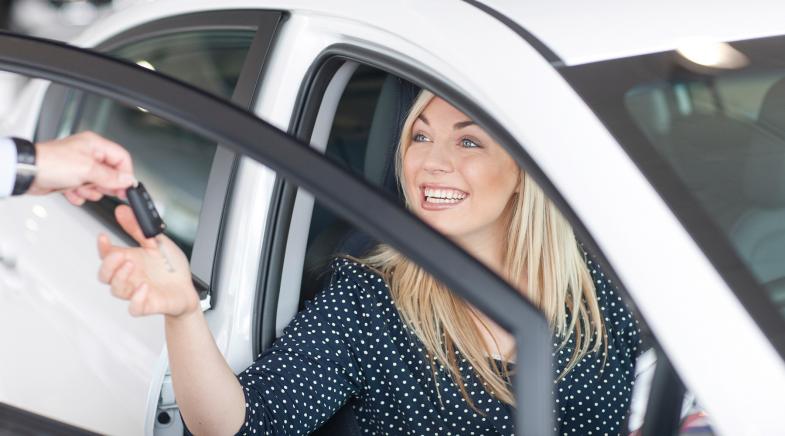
(456, 177)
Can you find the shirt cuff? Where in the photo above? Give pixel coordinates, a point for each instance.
(7, 166)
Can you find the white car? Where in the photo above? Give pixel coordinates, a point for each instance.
(656, 128)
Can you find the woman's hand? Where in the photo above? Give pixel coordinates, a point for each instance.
(143, 276)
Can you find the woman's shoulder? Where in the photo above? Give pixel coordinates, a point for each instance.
(354, 271)
(354, 296)
(354, 277)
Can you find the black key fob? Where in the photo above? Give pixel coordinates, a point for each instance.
(142, 204)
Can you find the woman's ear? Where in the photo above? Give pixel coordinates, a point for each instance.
(518, 184)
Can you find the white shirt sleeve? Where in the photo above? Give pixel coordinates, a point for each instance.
(7, 166)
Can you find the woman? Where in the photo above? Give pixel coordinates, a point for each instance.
(416, 359)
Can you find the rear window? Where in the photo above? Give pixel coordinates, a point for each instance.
(725, 139)
(711, 138)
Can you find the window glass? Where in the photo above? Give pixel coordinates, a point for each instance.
(362, 139)
(173, 163)
(724, 135)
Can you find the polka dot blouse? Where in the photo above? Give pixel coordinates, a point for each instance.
(350, 342)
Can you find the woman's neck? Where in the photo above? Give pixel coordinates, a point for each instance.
(487, 249)
(488, 244)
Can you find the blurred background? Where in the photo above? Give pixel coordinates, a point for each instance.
(54, 19)
(57, 19)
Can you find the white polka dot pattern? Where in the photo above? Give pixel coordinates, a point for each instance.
(351, 342)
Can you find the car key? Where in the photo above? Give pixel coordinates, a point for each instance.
(148, 217)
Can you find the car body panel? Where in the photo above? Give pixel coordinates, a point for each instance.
(72, 356)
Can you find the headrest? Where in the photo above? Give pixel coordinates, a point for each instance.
(395, 100)
(392, 107)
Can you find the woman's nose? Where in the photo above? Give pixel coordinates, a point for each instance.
(438, 159)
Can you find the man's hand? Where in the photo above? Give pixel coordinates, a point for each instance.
(84, 166)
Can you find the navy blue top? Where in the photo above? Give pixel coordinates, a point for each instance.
(350, 341)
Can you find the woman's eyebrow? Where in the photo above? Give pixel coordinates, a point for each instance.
(462, 124)
(424, 120)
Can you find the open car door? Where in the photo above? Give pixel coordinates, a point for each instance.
(349, 196)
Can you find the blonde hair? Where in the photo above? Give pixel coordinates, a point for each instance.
(542, 260)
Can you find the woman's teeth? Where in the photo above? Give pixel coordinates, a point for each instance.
(441, 200)
(443, 196)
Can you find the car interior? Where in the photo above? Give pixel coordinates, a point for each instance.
(366, 146)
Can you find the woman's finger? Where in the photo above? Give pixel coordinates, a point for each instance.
(104, 246)
(121, 285)
(110, 265)
(127, 220)
(139, 300)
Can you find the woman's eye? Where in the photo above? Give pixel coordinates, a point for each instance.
(419, 137)
(469, 143)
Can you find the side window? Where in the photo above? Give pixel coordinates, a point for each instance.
(173, 163)
(362, 139)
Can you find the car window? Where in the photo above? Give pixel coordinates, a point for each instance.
(173, 163)
(724, 137)
(363, 147)
(708, 136)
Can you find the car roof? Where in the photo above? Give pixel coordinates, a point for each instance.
(571, 32)
(582, 32)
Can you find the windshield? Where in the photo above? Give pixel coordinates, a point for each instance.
(712, 141)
